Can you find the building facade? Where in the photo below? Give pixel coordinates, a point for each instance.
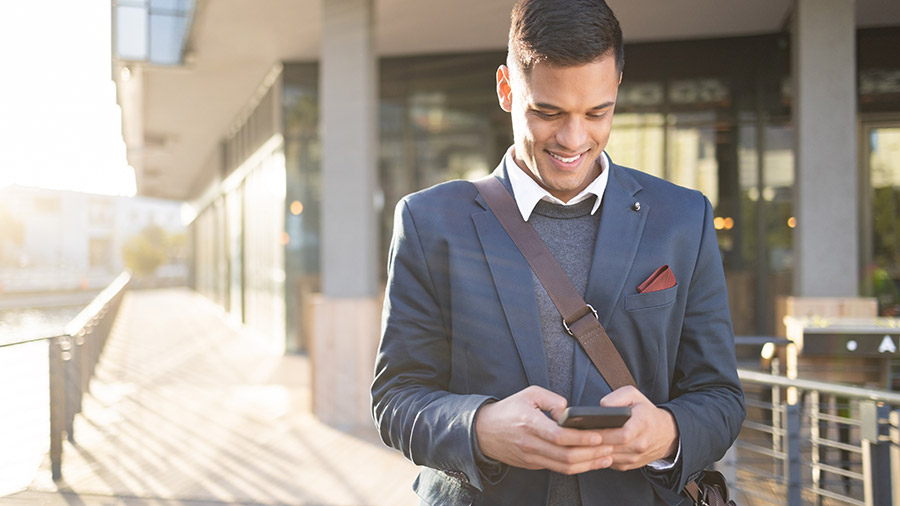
(788, 119)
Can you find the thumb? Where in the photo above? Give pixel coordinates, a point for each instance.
(624, 396)
(545, 400)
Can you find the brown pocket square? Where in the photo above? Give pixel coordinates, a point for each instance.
(661, 279)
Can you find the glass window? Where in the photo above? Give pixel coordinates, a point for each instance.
(777, 196)
(741, 256)
(883, 271)
(303, 162)
(710, 92)
(154, 31)
(47, 205)
(100, 252)
(440, 120)
(637, 141)
(879, 82)
(167, 34)
(131, 32)
(692, 153)
(100, 213)
(640, 94)
(684, 113)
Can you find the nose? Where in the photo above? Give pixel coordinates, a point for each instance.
(572, 134)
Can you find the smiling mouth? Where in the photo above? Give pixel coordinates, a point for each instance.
(564, 159)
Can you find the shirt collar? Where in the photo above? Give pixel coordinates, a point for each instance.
(528, 193)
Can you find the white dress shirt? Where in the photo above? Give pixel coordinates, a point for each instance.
(528, 193)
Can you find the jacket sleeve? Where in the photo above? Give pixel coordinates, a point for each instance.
(413, 408)
(706, 396)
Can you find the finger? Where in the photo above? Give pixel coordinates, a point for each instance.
(581, 467)
(565, 447)
(624, 396)
(553, 433)
(545, 400)
(580, 457)
(626, 462)
(567, 454)
(621, 436)
(573, 460)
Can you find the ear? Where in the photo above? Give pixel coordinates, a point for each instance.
(620, 77)
(504, 88)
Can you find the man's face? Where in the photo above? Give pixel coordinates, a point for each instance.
(561, 118)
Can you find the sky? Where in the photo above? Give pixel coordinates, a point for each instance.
(60, 126)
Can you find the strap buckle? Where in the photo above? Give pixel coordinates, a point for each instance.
(566, 325)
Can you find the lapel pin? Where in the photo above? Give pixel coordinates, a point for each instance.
(636, 206)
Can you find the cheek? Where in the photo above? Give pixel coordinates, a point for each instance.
(601, 131)
(538, 131)
(520, 124)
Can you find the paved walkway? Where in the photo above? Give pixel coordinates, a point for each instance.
(185, 410)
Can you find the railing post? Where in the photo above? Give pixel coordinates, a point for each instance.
(792, 463)
(83, 342)
(895, 457)
(815, 426)
(57, 405)
(777, 413)
(876, 454)
(72, 385)
(71, 360)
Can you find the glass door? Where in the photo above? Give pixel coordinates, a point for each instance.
(881, 226)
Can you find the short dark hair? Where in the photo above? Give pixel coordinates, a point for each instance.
(563, 33)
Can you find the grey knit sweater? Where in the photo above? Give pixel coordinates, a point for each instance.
(570, 233)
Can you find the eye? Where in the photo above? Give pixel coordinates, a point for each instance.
(597, 116)
(546, 115)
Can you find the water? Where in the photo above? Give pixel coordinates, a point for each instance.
(31, 323)
(25, 408)
(24, 381)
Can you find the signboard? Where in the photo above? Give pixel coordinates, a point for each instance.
(873, 343)
(847, 337)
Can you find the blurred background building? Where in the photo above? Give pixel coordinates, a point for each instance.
(58, 240)
(60, 248)
(292, 127)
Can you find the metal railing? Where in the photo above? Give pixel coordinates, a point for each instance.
(803, 443)
(73, 357)
(810, 442)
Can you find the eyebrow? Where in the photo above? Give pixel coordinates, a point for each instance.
(542, 105)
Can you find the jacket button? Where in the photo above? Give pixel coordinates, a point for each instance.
(636, 206)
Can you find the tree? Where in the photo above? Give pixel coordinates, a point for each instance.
(146, 251)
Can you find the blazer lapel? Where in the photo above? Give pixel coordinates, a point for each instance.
(513, 280)
(618, 236)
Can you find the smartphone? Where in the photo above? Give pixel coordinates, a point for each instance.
(595, 417)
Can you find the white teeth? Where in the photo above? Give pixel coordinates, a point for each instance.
(564, 160)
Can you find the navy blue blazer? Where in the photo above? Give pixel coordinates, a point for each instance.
(460, 326)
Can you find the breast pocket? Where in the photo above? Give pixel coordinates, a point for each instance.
(650, 300)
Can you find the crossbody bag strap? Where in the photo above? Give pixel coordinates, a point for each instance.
(693, 492)
(579, 318)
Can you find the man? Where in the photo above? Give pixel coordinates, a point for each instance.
(474, 366)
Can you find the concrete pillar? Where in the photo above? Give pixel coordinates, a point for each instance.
(826, 240)
(348, 113)
(345, 318)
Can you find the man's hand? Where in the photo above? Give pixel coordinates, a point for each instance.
(650, 434)
(516, 431)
